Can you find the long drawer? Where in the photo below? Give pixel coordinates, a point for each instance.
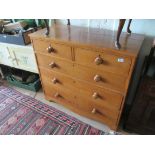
(51, 48)
(102, 61)
(96, 77)
(97, 96)
(101, 79)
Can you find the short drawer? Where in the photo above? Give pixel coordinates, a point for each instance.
(96, 95)
(54, 64)
(53, 49)
(102, 61)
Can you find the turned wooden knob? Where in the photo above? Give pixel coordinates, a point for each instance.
(52, 64)
(54, 80)
(97, 78)
(98, 60)
(57, 95)
(50, 49)
(95, 95)
(93, 111)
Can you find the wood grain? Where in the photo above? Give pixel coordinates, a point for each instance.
(87, 74)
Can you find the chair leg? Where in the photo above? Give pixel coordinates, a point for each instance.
(47, 27)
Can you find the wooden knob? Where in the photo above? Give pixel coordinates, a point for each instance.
(95, 95)
(50, 49)
(57, 95)
(54, 80)
(97, 78)
(52, 64)
(93, 111)
(98, 60)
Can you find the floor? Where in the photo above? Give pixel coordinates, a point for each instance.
(40, 96)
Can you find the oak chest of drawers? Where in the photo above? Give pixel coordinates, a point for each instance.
(81, 69)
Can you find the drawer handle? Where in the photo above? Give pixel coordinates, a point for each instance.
(95, 95)
(57, 95)
(98, 60)
(94, 111)
(54, 80)
(97, 78)
(52, 64)
(50, 49)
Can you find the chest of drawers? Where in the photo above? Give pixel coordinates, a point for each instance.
(81, 69)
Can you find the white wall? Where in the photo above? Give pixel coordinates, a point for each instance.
(141, 26)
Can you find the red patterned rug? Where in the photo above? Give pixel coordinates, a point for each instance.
(23, 115)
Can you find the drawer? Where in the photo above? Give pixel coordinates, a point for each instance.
(54, 64)
(100, 78)
(53, 49)
(97, 112)
(99, 96)
(62, 95)
(102, 61)
(57, 80)
(96, 95)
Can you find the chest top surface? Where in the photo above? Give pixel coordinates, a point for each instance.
(92, 38)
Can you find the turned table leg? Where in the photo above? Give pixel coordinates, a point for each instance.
(128, 28)
(68, 21)
(120, 27)
(47, 27)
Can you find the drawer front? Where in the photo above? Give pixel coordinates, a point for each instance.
(102, 61)
(98, 96)
(53, 49)
(61, 95)
(97, 112)
(54, 64)
(57, 79)
(102, 79)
